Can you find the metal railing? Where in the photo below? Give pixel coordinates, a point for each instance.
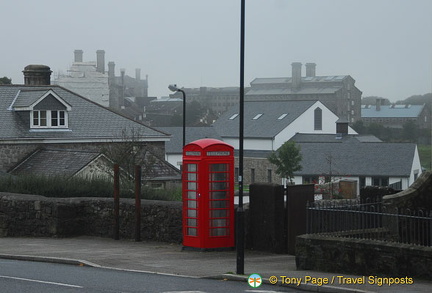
(350, 218)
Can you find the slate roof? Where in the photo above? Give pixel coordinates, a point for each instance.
(266, 126)
(392, 111)
(88, 121)
(162, 170)
(311, 79)
(309, 85)
(289, 91)
(175, 145)
(357, 159)
(354, 155)
(333, 138)
(52, 162)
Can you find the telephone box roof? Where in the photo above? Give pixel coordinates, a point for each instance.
(206, 142)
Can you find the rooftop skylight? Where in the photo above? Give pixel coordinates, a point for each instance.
(282, 116)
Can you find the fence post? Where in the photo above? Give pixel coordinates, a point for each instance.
(116, 202)
(137, 203)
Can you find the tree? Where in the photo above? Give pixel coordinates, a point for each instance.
(131, 151)
(409, 131)
(5, 80)
(287, 160)
(359, 127)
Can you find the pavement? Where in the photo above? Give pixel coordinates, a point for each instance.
(172, 259)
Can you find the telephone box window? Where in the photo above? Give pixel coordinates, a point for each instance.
(192, 204)
(218, 204)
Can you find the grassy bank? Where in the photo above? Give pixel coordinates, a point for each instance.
(425, 153)
(79, 187)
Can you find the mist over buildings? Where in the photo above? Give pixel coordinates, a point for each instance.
(386, 45)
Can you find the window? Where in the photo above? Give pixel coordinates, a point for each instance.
(310, 180)
(252, 176)
(49, 119)
(380, 181)
(318, 119)
(269, 176)
(362, 181)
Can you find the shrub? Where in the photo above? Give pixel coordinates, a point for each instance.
(59, 186)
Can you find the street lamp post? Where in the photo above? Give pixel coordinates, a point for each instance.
(174, 88)
(240, 230)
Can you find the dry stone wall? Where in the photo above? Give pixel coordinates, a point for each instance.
(38, 216)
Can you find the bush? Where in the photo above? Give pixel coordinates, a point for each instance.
(58, 186)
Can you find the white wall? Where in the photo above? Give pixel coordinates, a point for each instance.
(174, 159)
(416, 167)
(305, 124)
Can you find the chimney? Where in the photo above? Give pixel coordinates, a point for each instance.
(111, 72)
(378, 104)
(310, 69)
(37, 75)
(296, 74)
(341, 127)
(138, 74)
(100, 61)
(78, 56)
(122, 96)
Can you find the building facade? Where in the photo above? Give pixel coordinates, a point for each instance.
(338, 92)
(396, 115)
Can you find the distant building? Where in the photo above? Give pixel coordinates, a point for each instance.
(87, 79)
(159, 112)
(395, 115)
(128, 95)
(338, 92)
(359, 158)
(217, 99)
(268, 125)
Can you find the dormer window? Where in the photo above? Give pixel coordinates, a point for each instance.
(46, 109)
(49, 119)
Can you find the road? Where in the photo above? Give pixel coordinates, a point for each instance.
(34, 277)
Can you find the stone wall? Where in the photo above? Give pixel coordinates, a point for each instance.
(363, 257)
(367, 257)
(38, 216)
(417, 196)
(11, 154)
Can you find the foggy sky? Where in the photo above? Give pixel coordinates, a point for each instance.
(385, 45)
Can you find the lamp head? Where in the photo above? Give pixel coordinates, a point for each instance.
(173, 87)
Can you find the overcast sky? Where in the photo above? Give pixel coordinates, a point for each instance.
(385, 45)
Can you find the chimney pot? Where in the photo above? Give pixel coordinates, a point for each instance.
(296, 74)
(342, 126)
(100, 61)
(78, 55)
(378, 104)
(35, 74)
(310, 69)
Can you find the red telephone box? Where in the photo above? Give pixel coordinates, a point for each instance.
(208, 194)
